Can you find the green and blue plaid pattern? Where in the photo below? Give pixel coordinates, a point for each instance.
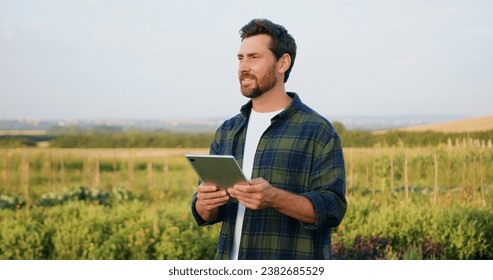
(300, 152)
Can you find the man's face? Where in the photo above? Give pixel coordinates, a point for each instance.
(257, 68)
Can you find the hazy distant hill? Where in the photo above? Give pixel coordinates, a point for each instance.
(23, 126)
(372, 123)
(465, 125)
(26, 126)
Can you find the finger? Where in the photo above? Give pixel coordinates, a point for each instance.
(249, 203)
(256, 181)
(210, 203)
(211, 195)
(233, 192)
(214, 202)
(245, 188)
(207, 188)
(211, 206)
(246, 197)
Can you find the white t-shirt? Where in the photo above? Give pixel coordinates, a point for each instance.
(257, 124)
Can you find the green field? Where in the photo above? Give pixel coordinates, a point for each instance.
(404, 203)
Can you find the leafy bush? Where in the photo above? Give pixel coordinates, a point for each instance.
(11, 202)
(186, 244)
(81, 230)
(21, 238)
(398, 231)
(85, 194)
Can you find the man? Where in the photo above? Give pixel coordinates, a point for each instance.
(293, 154)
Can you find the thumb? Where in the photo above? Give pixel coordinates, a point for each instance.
(256, 181)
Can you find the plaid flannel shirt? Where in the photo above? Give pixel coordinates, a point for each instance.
(300, 152)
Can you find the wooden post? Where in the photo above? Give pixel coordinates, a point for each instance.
(97, 175)
(367, 174)
(474, 187)
(166, 173)
(449, 169)
(62, 170)
(130, 170)
(406, 182)
(149, 176)
(155, 225)
(463, 185)
(114, 173)
(435, 197)
(5, 171)
(391, 174)
(49, 171)
(482, 178)
(86, 168)
(374, 178)
(351, 178)
(25, 178)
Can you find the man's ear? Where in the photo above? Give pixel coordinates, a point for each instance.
(284, 63)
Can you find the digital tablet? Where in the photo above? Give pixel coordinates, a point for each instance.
(220, 170)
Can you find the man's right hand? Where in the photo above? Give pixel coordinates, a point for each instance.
(209, 199)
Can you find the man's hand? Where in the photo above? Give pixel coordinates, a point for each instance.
(256, 195)
(209, 199)
(260, 194)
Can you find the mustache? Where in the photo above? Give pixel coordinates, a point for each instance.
(246, 75)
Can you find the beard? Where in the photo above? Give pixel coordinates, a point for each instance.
(260, 87)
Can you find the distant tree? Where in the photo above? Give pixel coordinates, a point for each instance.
(339, 127)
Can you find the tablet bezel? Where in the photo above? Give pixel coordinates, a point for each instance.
(222, 171)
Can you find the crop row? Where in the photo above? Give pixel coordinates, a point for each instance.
(135, 229)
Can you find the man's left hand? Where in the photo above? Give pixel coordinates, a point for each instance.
(256, 195)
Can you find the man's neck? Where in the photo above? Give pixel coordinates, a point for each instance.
(271, 101)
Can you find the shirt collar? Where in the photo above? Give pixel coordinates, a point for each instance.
(284, 115)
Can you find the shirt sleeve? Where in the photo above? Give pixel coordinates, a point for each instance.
(328, 184)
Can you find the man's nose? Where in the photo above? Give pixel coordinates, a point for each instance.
(244, 65)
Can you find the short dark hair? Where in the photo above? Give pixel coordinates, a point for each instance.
(282, 42)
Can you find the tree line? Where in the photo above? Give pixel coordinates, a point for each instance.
(97, 138)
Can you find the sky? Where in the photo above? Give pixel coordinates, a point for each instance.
(168, 59)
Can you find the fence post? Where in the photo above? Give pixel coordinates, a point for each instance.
(62, 170)
(406, 182)
(85, 167)
(114, 172)
(130, 170)
(482, 178)
(166, 173)
(350, 165)
(367, 174)
(374, 178)
(435, 197)
(97, 175)
(463, 185)
(25, 178)
(49, 171)
(391, 173)
(5, 171)
(474, 187)
(450, 148)
(149, 176)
